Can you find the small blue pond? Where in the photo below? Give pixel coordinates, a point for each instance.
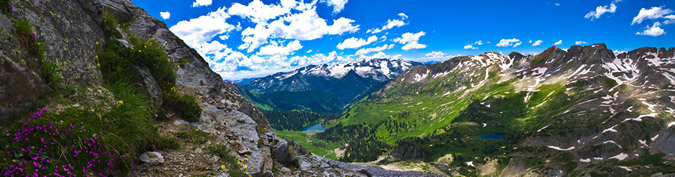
(492, 136)
(314, 127)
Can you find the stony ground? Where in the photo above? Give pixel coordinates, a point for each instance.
(190, 159)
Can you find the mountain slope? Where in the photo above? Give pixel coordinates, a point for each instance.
(577, 111)
(67, 75)
(322, 88)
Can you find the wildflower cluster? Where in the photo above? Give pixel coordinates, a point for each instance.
(41, 147)
(10, 8)
(235, 164)
(28, 38)
(7, 7)
(241, 163)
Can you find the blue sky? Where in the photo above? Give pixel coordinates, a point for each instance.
(244, 39)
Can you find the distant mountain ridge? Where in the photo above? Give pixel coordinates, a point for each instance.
(570, 112)
(322, 88)
(321, 76)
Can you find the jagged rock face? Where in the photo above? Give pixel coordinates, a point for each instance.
(70, 37)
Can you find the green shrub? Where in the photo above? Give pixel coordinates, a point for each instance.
(150, 54)
(188, 105)
(114, 64)
(52, 73)
(109, 24)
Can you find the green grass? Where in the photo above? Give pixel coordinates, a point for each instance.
(188, 105)
(109, 24)
(116, 62)
(427, 109)
(52, 73)
(130, 125)
(194, 136)
(150, 54)
(231, 162)
(314, 145)
(124, 126)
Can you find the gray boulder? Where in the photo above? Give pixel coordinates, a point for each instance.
(152, 157)
(280, 152)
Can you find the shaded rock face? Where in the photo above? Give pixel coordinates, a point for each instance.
(70, 37)
(20, 87)
(149, 85)
(281, 152)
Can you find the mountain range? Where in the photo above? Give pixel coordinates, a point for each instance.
(321, 88)
(574, 112)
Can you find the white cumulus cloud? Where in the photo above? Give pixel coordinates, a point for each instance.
(435, 54)
(507, 42)
(402, 15)
(355, 43)
(652, 13)
(654, 30)
(338, 5)
(536, 43)
(259, 12)
(305, 25)
(200, 31)
(364, 51)
(277, 49)
(380, 55)
(671, 19)
(391, 23)
(165, 15)
(411, 40)
(580, 42)
(558, 43)
(601, 10)
(201, 3)
(471, 46)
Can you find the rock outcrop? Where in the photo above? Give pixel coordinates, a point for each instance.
(73, 37)
(70, 36)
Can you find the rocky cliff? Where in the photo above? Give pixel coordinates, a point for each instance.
(72, 38)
